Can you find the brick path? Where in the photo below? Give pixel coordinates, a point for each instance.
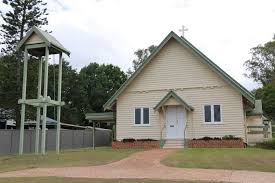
(147, 164)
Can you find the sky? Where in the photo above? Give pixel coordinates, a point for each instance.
(110, 31)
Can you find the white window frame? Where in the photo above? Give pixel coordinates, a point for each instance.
(212, 114)
(141, 116)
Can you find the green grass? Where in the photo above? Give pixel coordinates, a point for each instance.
(86, 180)
(78, 157)
(232, 159)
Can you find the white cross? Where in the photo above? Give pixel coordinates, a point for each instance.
(183, 29)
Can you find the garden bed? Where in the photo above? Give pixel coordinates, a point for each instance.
(136, 144)
(230, 143)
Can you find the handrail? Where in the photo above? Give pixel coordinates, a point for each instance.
(161, 132)
(184, 132)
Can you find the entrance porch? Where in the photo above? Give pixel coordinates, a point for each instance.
(173, 112)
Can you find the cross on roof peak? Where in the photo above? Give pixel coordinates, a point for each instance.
(183, 29)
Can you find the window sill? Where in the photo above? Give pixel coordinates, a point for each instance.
(212, 123)
(141, 125)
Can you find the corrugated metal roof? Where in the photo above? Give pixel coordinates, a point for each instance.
(105, 116)
(46, 37)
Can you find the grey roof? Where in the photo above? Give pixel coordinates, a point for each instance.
(49, 121)
(104, 116)
(46, 37)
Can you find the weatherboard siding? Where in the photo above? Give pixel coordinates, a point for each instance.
(175, 67)
(34, 39)
(171, 101)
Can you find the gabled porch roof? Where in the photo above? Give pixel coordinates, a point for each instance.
(176, 97)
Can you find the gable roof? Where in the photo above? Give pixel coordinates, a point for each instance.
(249, 96)
(46, 37)
(170, 94)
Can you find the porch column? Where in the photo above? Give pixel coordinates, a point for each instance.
(59, 106)
(43, 142)
(38, 108)
(164, 120)
(23, 105)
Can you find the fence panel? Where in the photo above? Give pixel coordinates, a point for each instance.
(69, 139)
(104, 136)
(88, 138)
(66, 137)
(78, 139)
(14, 142)
(50, 139)
(5, 142)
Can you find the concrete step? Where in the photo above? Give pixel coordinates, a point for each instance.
(173, 147)
(174, 143)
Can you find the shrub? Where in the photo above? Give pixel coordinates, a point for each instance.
(217, 138)
(270, 144)
(205, 138)
(131, 140)
(226, 137)
(208, 138)
(146, 140)
(230, 137)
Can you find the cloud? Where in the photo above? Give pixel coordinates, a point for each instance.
(109, 31)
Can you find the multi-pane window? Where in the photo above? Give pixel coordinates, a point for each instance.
(217, 113)
(212, 113)
(207, 113)
(142, 116)
(138, 116)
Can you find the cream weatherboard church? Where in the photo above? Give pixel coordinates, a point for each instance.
(179, 93)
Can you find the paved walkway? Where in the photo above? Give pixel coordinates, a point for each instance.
(147, 164)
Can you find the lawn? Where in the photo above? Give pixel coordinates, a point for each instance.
(78, 157)
(86, 180)
(236, 159)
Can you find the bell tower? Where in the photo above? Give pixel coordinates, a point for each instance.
(40, 44)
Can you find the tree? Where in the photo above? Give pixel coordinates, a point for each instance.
(141, 55)
(99, 83)
(8, 80)
(72, 112)
(71, 94)
(7, 83)
(261, 68)
(23, 15)
(267, 94)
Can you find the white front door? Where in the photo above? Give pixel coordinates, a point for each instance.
(175, 122)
